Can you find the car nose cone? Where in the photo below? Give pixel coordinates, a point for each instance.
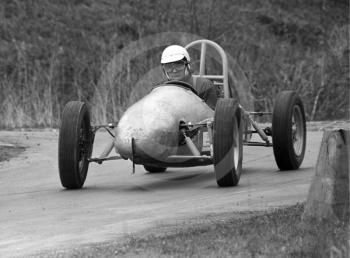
(153, 122)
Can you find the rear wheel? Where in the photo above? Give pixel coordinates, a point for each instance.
(153, 169)
(227, 143)
(74, 145)
(288, 131)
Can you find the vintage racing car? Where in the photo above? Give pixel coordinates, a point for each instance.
(173, 127)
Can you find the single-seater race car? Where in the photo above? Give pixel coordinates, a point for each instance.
(173, 127)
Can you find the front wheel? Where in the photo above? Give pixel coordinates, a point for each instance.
(288, 131)
(74, 145)
(227, 142)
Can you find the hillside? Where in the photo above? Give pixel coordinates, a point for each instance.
(53, 51)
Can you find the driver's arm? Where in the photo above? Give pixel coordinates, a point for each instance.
(208, 92)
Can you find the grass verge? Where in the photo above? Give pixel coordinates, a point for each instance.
(276, 233)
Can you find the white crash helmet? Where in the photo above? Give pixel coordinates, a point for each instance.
(174, 53)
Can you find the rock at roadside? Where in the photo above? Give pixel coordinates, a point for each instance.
(329, 192)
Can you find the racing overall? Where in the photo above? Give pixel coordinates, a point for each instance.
(205, 88)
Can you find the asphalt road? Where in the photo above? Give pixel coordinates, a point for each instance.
(37, 214)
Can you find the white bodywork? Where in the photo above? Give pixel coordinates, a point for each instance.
(154, 121)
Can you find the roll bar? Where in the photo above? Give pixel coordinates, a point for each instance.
(224, 77)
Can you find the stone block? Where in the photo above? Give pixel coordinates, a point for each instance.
(329, 191)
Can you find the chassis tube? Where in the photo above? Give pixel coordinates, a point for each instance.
(255, 125)
(191, 146)
(258, 129)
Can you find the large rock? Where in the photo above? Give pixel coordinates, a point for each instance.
(329, 192)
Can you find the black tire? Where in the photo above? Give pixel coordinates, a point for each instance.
(288, 131)
(153, 169)
(227, 142)
(74, 145)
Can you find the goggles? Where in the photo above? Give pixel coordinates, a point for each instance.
(174, 67)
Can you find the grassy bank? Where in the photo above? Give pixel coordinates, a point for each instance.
(55, 51)
(277, 233)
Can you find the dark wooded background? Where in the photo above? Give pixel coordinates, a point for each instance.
(53, 51)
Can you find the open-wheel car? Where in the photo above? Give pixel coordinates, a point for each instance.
(173, 127)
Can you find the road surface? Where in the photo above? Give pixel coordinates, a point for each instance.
(37, 214)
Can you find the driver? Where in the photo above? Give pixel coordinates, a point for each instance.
(175, 62)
